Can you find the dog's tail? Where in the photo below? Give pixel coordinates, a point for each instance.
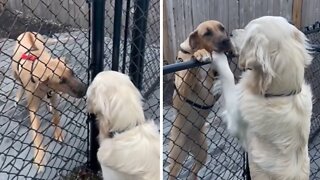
(31, 41)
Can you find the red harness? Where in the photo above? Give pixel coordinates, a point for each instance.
(29, 57)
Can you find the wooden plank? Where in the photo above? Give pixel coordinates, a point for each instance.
(167, 45)
(233, 16)
(286, 9)
(188, 13)
(296, 13)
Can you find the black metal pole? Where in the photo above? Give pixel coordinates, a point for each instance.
(98, 7)
(126, 28)
(116, 34)
(138, 42)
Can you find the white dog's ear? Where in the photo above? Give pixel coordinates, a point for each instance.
(255, 56)
(191, 44)
(96, 104)
(302, 39)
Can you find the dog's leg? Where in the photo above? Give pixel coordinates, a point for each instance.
(56, 117)
(18, 97)
(232, 115)
(34, 103)
(178, 153)
(199, 152)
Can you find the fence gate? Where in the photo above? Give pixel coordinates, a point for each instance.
(130, 43)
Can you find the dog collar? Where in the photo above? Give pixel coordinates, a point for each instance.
(28, 56)
(184, 51)
(294, 92)
(191, 102)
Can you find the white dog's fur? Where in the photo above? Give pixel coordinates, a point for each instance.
(134, 151)
(272, 125)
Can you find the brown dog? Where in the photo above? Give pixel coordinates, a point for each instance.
(40, 75)
(193, 97)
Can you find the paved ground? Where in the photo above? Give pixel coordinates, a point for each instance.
(16, 150)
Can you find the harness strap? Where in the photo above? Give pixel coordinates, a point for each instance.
(191, 102)
(28, 57)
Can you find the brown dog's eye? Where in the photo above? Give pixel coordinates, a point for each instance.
(62, 80)
(221, 28)
(208, 33)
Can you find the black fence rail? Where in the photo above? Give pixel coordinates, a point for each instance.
(225, 158)
(66, 28)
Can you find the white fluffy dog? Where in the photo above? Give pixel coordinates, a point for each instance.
(129, 146)
(270, 109)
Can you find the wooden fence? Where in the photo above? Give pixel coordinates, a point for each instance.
(182, 16)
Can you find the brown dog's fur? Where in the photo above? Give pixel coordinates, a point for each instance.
(187, 133)
(37, 80)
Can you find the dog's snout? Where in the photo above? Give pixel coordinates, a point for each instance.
(82, 91)
(225, 41)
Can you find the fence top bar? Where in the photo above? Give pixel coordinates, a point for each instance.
(171, 68)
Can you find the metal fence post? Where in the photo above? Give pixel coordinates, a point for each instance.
(98, 7)
(138, 42)
(116, 34)
(126, 28)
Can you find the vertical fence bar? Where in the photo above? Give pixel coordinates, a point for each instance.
(126, 28)
(116, 34)
(98, 7)
(138, 42)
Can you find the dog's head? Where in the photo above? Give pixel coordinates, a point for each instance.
(209, 35)
(275, 50)
(115, 101)
(58, 76)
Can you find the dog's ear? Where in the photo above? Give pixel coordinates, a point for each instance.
(302, 40)
(255, 56)
(96, 104)
(191, 44)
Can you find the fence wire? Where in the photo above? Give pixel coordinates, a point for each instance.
(65, 28)
(225, 158)
(150, 72)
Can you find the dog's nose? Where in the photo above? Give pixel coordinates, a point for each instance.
(82, 91)
(225, 42)
(230, 35)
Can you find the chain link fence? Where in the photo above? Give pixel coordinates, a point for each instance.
(65, 27)
(183, 125)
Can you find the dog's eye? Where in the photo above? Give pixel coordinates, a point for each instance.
(62, 80)
(221, 28)
(208, 33)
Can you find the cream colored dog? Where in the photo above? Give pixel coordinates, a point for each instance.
(129, 146)
(270, 109)
(41, 75)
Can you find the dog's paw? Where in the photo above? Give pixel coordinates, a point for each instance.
(202, 55)
(40, 168)
(39, 160)
(58, 134)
